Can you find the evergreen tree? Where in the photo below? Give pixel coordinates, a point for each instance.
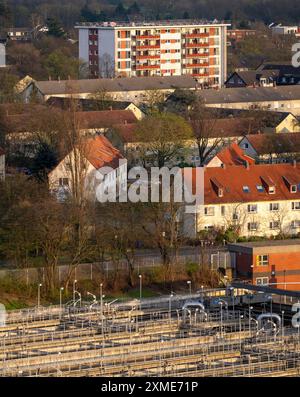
(44, 161)
(55, 28)
(120, 11)
(134, 9)
(87, 14)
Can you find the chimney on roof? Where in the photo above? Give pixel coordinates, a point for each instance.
(247, 165)
(49, 78)
(294, 163)
(110, 108)
(69, 77)
(125, 121)
(58, 78)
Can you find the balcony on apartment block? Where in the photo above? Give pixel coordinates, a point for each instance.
(196, 35)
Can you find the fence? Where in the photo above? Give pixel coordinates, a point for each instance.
(217, 260)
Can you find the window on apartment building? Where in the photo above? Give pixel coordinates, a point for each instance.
(235, 216)
(223, 210)
(252, 208)
(274, 225)
(262, 281)
(209, 211)
(63, 181)
(252, 226)
(262, 260)
(274, 206)
(295, 224)
(296, 205)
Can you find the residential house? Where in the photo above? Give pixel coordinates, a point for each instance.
(224, 131)
(87, 162)
(94, 104)
(285, 29)
(135, 89)
(23, 142)
(274, 263)
(266, 75)
(230, 155)
(19, 34)
(237, 35)
(251, 78)
(271, 148)
(252, 200)
(280, 98)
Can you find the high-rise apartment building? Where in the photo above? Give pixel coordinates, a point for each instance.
(160, 48)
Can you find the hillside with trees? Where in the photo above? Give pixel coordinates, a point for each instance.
(21, 13)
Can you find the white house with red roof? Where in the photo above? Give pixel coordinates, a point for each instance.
(253, 200)
(81, 169)
(2, 164)
(230, 155)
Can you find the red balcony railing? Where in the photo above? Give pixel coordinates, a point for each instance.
(143, 67)
(148, 36)
(195, 35)
(196, 65)
(147, 56)
(196, 45)
(197, 55)
(148, 47)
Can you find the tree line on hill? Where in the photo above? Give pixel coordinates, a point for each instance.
(19, 13)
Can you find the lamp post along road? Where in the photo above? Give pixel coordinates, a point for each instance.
(39, 296)
(60, 300)
(74, 289)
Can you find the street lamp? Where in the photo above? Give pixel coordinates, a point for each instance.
(170, 307)
(60, 300)
(101, 305)
(39, 295)
(140, 277)
(74, 288)
(250, 308)
(221, 305)
(189, 283)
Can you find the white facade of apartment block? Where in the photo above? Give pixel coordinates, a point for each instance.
(268, 218)
(156, 49)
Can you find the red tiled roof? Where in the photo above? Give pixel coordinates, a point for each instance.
(21, 122)
(233, 179)
(234, 155)
(126, 132)
(234, 126)
(279, 143)
(100, 152)
(104, 118)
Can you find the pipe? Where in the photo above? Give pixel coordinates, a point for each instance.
(268, 316)
(193, 304)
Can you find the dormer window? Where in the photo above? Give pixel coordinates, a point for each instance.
(246, 189)
(220, 192)
(268, 184)
(291, 183)
(271, 190)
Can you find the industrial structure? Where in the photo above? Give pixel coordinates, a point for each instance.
(159, 48)
(223, 332)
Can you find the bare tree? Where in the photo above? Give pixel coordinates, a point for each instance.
(204, 128)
